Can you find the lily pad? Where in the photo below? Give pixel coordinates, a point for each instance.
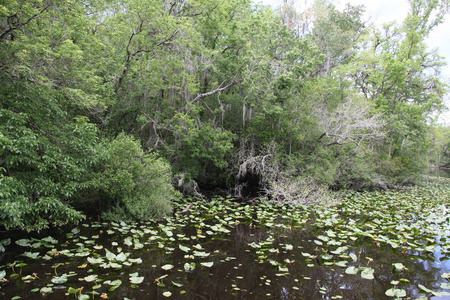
(60, 279)
(167, 267)
(24, 242)
(398, 293)
(367, 273)
(32, 255)
(184, 248)
(207, 264)
(136, 279)
(399, 267)
(90, 278)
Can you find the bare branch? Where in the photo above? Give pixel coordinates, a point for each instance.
(349, 123)
(218, 90)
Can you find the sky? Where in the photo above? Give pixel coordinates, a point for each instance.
(383, 11)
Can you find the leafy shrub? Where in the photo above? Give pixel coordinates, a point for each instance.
(132, 185)
(39, 172)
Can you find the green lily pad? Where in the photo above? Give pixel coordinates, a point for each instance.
(399, 267)
(50, 240)
(90, 278)
(60, 279)
(137, 279)
(367, 273)
(94, 260)
(184, 248)
(46, 290)
(398, 293)
(177, 284)
(201, 253)
(207, 264)
(135, 260)
(32, 255)
(167, 267)
(128, 241)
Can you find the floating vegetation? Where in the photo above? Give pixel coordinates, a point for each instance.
(392, 244)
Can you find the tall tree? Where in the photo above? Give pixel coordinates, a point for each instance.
(400, 76)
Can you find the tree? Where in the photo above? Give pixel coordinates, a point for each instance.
(52, 81)
(400, 76)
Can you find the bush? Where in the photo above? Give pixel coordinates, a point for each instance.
(39, 173)
(131, 184)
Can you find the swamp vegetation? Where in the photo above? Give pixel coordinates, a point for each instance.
(115, 108)
(117, 118)
(373, 245)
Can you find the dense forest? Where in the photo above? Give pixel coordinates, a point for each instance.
(117, 108)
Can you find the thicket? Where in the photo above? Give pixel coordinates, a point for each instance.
(107, 106)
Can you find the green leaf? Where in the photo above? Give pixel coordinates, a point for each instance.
(167, 267)
(207, 264)
(444, 285)
(352, 270)
(128, 241)
(90, 278)
(342, 263)
(339, 250)
(177, 284)
(184, 248)
(24, 242)
(189, 267)
(32, 255)
(60, 279)
(46, 290)
(367, 273)
(136, 280)
(94, 261)
(399, 267)
(393, 292)
(50, 240)
(201, 253)
(135, 260)
(72, 290)
(121, 257)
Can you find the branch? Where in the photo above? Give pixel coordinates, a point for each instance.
(7, 32)
(218, 90)
(131, 56)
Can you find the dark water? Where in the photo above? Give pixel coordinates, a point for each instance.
(256, 253)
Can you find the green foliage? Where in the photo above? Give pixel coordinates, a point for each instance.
(200, 150)
(41, 172)
(215, 87)
(133, 185)
(440, 146)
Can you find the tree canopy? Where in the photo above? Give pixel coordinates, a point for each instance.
(107, 107)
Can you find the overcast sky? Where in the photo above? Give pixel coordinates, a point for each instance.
(383, 11)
